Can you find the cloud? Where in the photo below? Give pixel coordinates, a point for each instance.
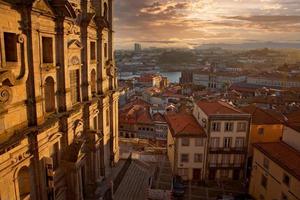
(197, 21)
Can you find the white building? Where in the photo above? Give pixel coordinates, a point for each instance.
(217, 80)
(227, 131)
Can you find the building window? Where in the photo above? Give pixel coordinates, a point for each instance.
(107, 117)
(95, 122)
(241, 126)
(105, 50)
(185, 141)
(47, 46)
(227, 142)
(229, 126)
(198, 157)
(184, 157)
(216, 126)
(10, 45)
(284, 196)
(261, 131)
(239, 142)
(264, 181)
(74, 86)
(224, 174)
(286, 180)
(213, 159)
(226, 159)
(266, 163)
(93, 50)
(49, 94)
(198, 142)
(183, 172)
(215, 142)
(55, 155)
(93, 82)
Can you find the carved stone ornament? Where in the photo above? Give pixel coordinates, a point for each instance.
(110, 70)
(5, 95)
(75, 60)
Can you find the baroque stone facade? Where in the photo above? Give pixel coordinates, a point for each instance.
(58, 98)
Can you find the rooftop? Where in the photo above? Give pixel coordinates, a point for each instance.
(285, 156)
(184, 125)
(218, 108)
(261, 116)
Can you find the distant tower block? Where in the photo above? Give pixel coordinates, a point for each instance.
(137, 47)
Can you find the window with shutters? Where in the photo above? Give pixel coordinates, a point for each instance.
(74, 86)
(216, 127)
(227, 142)
(214, 142)
(229, 126)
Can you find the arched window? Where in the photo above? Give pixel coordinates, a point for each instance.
(24, 183)
(105, 12)
(93, 82)
(49, 94)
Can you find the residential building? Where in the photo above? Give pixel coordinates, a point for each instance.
(186, 146)
(266, 126)
(59, 99)
(275, 171)
(227, 130)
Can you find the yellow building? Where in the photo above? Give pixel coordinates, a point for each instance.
(58, 99)
(266, 126)
(275, 172)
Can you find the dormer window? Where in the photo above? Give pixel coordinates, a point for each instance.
(47, 46)
(10, 43)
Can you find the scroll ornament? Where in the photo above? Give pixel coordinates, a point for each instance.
(5, 95)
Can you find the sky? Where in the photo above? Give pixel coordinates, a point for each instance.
(189, 23)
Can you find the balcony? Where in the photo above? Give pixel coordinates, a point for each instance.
(229, 150)
(226, 165)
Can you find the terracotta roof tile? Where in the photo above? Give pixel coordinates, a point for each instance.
(261, 116)
(282, 154)
(218, 108)
(183, 125)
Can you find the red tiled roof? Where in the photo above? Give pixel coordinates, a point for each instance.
(135, 112)
(282, 154)
(217, 108)
(293, 120)
(158, 117)
(184, 125)
(261, 116)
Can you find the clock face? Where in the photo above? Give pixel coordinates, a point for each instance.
(75, 60)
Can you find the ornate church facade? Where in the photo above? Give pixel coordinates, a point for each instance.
(58, 99)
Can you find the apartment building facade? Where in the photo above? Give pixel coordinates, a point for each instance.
(58, 98)
(186, 144)
(227, 130)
